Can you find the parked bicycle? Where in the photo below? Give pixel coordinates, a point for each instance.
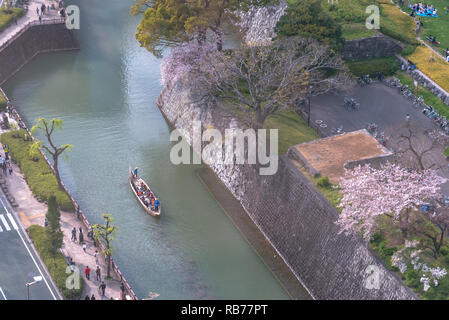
(338, 130)
(351, 104)
(364, 80)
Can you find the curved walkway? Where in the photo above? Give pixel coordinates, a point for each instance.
(28, 17)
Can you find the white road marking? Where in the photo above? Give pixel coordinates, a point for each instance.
(14, 225)
(1, 230)
(2, 217)
(29, 252)
(3, 294)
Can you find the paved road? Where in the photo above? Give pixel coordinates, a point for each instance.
(18, 262)
(378, 103)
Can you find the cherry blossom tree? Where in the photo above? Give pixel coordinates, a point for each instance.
(182, 60)
(391, 190)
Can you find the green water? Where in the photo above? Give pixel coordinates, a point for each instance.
(106, 94)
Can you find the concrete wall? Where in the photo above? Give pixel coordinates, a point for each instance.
(296, 219)
(34, 40)
(369, 48)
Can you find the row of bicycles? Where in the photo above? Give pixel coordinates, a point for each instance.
(418, 102)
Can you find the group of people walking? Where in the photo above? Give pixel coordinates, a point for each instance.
(5, 163)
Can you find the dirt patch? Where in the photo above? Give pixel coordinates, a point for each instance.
(328, 156)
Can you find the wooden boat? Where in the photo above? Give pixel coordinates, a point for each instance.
(133, 181)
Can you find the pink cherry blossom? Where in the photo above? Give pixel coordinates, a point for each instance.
(369, 193)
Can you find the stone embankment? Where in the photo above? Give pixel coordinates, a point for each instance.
(376, 46)
(33, 39)
(294, 217)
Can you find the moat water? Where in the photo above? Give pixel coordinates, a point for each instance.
(106, 94)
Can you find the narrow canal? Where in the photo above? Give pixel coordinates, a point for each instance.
(106, 94)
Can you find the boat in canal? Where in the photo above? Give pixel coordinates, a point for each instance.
(144, 194)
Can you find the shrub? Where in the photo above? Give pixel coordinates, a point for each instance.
(408, 50)
(446, 152)
(387, 65)
(55, 263)
(2, 102)
(7, 18)
(38, 174)
(324, 182)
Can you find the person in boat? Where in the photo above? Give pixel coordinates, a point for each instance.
(135, 172)
(156, 205)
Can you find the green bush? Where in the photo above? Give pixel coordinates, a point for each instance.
(446, 152)
(55, 263)
(324, 182)
(408, 50)
(386, 65)
(38, 174)
(2, 102)
(7, 18)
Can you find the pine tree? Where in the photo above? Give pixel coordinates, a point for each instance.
(54, 232)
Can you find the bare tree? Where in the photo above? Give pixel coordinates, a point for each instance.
(262, 79)
(419, 148)
(433, 224)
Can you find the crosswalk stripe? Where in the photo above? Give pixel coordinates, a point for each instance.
(14, 224)
(5, 223)
(1, 230)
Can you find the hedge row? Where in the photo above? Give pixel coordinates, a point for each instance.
(388, 66)
(56, 264)
(38, 174)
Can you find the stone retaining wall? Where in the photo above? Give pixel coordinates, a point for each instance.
(369, 48)
(295, 218)
(34, 38)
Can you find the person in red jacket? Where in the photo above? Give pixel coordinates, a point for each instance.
(87, 272)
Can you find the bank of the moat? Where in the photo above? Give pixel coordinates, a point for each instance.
(295, 218)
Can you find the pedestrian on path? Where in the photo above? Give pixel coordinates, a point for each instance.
(98, 273)
(4, 168)
(102, 288)
(87, 272)
(6, 149)
(37, 10)
(96, 256)
(74, 234)
(84, 248)
(93, 297)
(87, 297)
(81, 237)
(9, 167)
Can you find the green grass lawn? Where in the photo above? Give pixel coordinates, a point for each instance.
(438, 27)
(352, 15)
(353, 31)
(292, 129)
(6, 19)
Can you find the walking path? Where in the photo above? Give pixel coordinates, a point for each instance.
(28, 17)
(30, 211)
